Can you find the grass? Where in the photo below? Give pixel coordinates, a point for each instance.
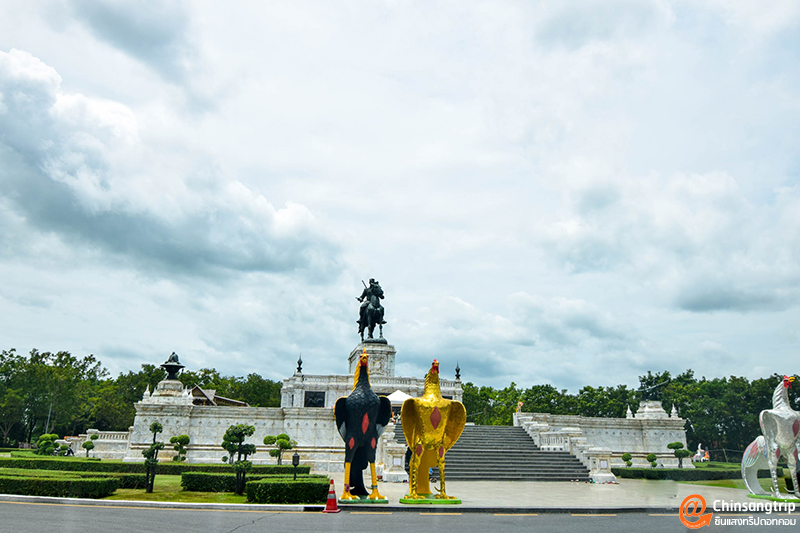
(766, 483)
(168, 489)
(714, 465)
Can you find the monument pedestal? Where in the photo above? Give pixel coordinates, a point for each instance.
(381, 357)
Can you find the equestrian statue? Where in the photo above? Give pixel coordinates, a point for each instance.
(371, 311)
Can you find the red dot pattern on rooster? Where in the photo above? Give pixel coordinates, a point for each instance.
(365, 423)
(436, 417)
(796, 427)
(372, 443)
(351, 443)
(441, 451)
(419, 449)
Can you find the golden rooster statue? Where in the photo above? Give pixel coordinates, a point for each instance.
(431, 425)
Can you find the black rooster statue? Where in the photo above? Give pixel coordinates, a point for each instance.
(361, 418)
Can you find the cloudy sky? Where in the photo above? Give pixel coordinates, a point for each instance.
(549, 192)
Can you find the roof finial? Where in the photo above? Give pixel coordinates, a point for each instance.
(458, 371)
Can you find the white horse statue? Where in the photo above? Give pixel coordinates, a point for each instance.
(700, 456)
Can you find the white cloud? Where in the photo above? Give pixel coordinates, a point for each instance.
(554, 192)
(133, 198)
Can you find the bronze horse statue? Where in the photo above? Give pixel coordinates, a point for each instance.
(371, 312)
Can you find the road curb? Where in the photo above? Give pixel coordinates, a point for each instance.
(254, 507)
(14, 498)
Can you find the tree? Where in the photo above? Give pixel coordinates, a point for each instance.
(627, 458)
(651, 386)
(281, 442)
(679, 451)
(608, 402)
(88, 445)
(11, 411)
(151, 457)
(651, 457)
(179, 445)
(548, 399)
(233, 443)
(257, 391)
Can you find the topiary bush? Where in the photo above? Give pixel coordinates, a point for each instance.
(45, 445)
(288, 491)
(151, 456)
(627, 458)
(679, 451)
(233, 443)
(652, 460)
(282, 442)
(179, 445)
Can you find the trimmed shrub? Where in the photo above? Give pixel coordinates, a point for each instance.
(211, 482)
(77, 487)
(126, 481)
(681, 474)
(80, 464)
(287, 491)
(130, 481)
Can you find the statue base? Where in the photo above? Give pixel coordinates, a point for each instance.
(380, 340)
(381, 357)
(362, 499)
(429, 499)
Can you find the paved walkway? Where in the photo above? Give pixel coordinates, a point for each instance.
(630, 495)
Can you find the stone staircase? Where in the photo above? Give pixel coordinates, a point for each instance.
(505, 453)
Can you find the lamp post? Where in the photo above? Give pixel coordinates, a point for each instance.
(295, 463)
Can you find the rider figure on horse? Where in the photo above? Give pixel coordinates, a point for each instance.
(370, 300)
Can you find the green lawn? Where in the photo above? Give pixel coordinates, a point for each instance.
(713, 465)
(766, 483)
(168, 489)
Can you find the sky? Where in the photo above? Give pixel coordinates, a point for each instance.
(566, 192)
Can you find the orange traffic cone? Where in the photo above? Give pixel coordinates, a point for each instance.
(332, 505)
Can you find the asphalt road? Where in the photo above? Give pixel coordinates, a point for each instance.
(77, 518)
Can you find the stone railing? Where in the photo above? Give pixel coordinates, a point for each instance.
(391, 457)
(649, 432)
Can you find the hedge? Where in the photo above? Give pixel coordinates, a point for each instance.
(287, 491)
(213, 482)
(167, 468)
(126, 481)
(681, 474)
(78, 487)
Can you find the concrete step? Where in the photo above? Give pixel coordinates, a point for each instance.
(505, 453)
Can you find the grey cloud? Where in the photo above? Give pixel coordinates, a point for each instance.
(702, 296)
(62, 175)
(153, 31)
(575, 24)
(597, 197)
(565, 322)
